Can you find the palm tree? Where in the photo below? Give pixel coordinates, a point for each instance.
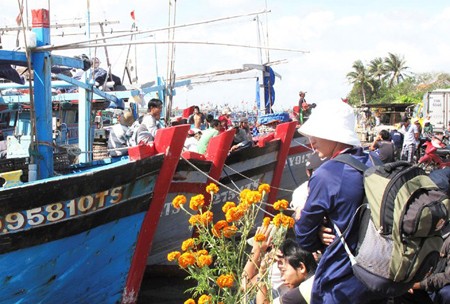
(376, 68)
(360, 77)
(395, 67)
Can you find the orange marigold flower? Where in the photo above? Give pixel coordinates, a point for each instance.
(243, 193)
(266, 221)
(202, 252)
(206, 217)
(204, 260)
(229, 231)
(217, 229)
(253, 197)
(227, 206)
(172, 256)
(225, 281)
(212, 188)
(234, 214)
(178, 201)
(186, 259)
(259, 237)
(278, 219)
(281, 205)
(189, 301)
(264, 188)
(205, 299)
(188, 244)
(197, 201)
(287, 221)
(194, 219)
(291, 222)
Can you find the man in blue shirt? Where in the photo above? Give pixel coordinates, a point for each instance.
(336, 191)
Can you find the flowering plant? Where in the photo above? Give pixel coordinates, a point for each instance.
(216, 257)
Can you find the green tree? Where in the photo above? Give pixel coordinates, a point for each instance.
(395, 69)
(360, 78)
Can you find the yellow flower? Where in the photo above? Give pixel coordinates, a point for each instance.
(266, 221)
(225, 281)
(197, 201)
(212, 188)
(186, 259)
(189, 301)
(284, 220)
(188, 244)
(172, 256)
(204, 260)
(264, 188)
(229, 231)
(178, 201)
(205, 299)
(227, 206)
(259, 237)
(281, 205)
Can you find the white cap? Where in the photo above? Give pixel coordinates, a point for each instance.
(333, 121)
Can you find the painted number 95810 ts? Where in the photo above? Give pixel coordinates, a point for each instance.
(55, 212)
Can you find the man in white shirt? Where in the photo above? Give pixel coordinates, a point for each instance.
(411, 137)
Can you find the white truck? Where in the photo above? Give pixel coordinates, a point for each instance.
(436, 106)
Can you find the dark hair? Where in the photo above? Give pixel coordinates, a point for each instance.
(385, 135)
(196, 107)
(154, 103)
(295, 255)
(209, 117)
(215, 123)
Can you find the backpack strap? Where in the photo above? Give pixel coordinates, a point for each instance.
(351, 161)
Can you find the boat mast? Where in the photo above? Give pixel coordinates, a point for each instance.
(171, 62)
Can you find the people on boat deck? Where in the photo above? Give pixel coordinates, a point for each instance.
(243, 137)
(102, 78)
(384, 147)
(197, 119)
(191, 142)
(118, 139)
(150, 123)
(304, 108)
(331, 197)
(225, 118)
(207, 135)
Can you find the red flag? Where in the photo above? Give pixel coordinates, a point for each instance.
(132, 15)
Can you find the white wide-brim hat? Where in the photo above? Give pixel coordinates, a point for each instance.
(333, 121)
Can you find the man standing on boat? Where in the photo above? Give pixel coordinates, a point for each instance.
(304, 108)
(118, 140)
(197, 119)
(150, 124)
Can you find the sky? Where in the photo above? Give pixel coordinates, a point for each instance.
(332, 33)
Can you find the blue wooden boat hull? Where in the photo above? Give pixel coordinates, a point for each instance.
(71, 239)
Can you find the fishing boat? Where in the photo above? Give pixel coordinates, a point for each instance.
(82, 236)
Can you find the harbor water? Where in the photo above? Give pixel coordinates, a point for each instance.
(167, 289)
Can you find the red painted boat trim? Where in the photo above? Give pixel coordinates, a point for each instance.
(284, 132)
(169, 141)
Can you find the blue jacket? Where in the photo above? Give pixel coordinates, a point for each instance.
(336, 191)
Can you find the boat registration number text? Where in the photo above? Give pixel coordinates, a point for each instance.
(55, 212)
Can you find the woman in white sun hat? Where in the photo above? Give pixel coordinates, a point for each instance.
(335, 192)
